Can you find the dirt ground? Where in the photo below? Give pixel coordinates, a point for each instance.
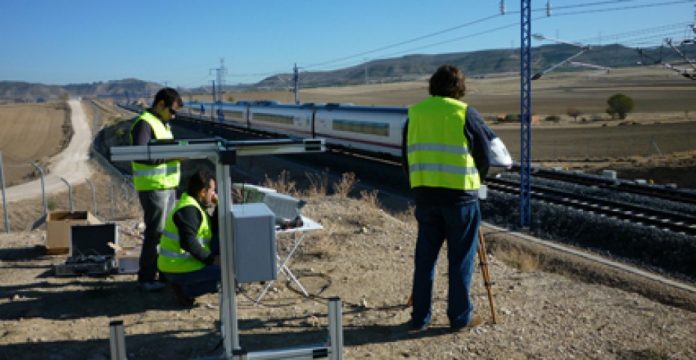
(365, 257)
(31, 132)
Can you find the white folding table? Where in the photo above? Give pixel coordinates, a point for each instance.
(298, 235)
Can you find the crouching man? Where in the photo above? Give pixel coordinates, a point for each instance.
(187, 256)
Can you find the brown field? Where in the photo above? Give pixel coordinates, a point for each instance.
(30, 133)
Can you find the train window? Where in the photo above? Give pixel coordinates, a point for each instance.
(272, 118)
(234, 114)
(363, 127)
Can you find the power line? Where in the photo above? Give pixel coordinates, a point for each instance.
(639, 32)
(625, 8)
(407, 41)
(324, 64)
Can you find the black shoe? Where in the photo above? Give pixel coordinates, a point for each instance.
(182, 299)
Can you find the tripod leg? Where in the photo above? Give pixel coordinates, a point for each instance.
(483, 262)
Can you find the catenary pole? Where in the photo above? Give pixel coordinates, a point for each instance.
(525, 113)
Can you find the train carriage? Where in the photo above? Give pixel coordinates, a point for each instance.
(365, 128)
(283, 119)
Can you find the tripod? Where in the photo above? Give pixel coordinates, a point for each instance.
(483, 263)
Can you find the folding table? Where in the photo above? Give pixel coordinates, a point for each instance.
(298, 235)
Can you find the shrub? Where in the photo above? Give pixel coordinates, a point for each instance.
(512, 118)
(619, 104)
(553, 118)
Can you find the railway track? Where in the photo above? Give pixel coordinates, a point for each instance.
(638, 214)
(626, 186)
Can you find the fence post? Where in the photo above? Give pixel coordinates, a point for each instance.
(94, 196)
(43, 188)
(4, 200)
(70, 203)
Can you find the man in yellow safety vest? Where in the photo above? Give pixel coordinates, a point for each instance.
(446, 155)
(188, 249)
(154, 180)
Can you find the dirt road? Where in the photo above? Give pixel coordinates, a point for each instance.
(71, 164)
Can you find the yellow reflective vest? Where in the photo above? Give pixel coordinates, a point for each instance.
(155, 177)
(438, 152)
(171, 257)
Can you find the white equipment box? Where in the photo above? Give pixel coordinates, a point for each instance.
(254, 242)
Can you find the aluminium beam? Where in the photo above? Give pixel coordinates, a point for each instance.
(222, 153)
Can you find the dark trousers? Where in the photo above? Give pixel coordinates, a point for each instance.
(156, 206)
(459, 224)
(199, 282)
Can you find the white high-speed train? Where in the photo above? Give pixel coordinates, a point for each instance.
(371, 129)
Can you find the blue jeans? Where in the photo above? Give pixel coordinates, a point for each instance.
(156, 206)
(459, 224)
(199, 282)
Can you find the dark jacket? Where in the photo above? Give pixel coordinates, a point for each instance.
(187, 221)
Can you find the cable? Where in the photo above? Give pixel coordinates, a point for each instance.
(406, 41)
(624, 8)
(636, 32)
(324, 64)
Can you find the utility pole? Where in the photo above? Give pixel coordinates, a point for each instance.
(296, 83)
(214, 102)
(220, 74)
(525, 113)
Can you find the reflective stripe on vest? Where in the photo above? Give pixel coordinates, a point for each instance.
(155, 177)
(172, 258)
(438, 152)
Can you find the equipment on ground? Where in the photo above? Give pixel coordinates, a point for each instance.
(92, 251)
(223, 153)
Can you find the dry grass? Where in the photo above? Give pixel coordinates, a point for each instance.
(345, 185)
(520, 259)
(318, 183)
(282, 183)
(370, 198)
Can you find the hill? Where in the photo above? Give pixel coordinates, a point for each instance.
(126, 89)
(474, 64)
(484, 63)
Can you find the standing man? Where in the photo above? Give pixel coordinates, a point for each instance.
(446, 152)
(155, 180)
(187, 252)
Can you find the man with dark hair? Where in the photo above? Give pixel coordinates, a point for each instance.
(187, 256)
(445, 156)
(155, 180)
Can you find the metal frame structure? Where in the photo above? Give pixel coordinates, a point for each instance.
(525, 113)
(223, 154)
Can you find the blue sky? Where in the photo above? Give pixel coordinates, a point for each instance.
(178, 42)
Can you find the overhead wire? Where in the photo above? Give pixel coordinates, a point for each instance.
(487, 31)
(342, 60)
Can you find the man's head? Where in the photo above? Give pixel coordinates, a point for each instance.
(201, 186)
(167, 102)
(447, 81)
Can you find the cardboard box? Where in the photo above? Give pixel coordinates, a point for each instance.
(58, 229)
